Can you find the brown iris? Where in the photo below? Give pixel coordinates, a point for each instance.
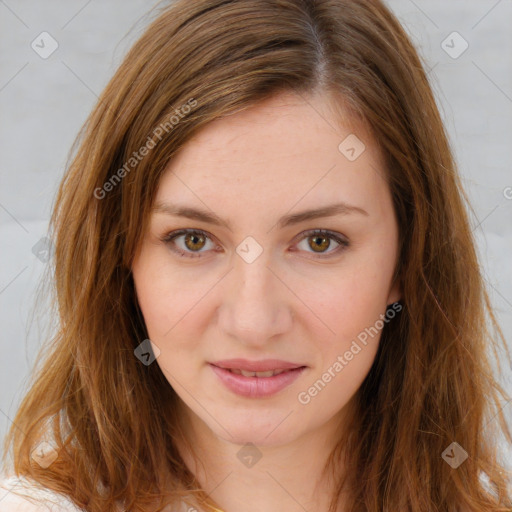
(324, 239)
(193, 237)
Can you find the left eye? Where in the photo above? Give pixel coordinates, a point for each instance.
(194, 240)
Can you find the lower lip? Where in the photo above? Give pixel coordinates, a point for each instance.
(256, 387)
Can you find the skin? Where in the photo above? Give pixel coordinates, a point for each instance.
(292, 302)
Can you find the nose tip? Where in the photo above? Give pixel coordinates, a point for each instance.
(255, 307)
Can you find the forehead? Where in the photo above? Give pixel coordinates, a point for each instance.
(275, 154)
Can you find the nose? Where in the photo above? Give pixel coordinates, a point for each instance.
(256, 305)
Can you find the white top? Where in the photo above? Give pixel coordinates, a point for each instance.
(18, 494)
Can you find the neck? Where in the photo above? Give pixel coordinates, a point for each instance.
(249, 478)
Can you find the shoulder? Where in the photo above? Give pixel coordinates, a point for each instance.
(18, 494)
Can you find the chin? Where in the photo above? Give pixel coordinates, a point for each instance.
(267, 429)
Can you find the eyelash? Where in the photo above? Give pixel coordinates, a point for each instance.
(170, 237)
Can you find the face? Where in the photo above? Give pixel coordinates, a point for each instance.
(262, 285)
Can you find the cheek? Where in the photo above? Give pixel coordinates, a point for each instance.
(151, 288)
(353, 311)
(170, 299)
(351, 303)
(353, 307)
(153, 300)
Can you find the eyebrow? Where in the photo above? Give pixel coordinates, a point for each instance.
(286, 220)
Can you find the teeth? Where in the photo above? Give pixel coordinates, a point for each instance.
(269, 373)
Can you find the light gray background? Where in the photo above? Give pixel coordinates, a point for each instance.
(43, 103)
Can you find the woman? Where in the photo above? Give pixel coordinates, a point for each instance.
(266, 281)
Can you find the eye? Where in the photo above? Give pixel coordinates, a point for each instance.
(195, 239)
(320, 239)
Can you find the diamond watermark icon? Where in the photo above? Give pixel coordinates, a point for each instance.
(44, 45)
(454, 455)
(44, 454)
(43, 250)
(147, 352)
(249, 249)
(352, 147)
(454, 45)
(249, 455)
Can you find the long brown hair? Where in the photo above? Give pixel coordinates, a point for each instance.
(431, 383)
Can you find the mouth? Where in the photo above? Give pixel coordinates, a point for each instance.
(245, 373)
(256, 379)
(262, 368)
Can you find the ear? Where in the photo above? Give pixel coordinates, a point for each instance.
(395, 293)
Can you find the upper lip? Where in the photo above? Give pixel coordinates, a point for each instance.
(256, 366)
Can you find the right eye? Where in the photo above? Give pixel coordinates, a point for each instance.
(193, 239)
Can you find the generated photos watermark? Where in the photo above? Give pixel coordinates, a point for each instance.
(138, 156)
(342, 361)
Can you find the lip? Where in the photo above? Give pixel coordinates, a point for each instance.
(256, 366)
(257, 387)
